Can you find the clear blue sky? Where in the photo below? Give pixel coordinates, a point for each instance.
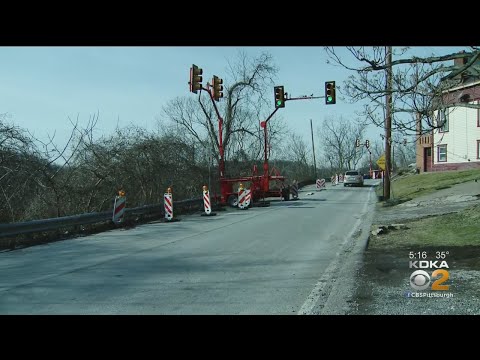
(40, 87)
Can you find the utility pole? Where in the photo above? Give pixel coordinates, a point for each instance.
(388, 125)
(313, 148)
(393, 156)
(210, 159)
(370, 172)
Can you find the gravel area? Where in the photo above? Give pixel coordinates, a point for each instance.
(382, 285)
(382, 288)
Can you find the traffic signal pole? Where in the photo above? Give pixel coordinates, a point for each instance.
(367, 146)
(265, 161)
(220, 130)
(388, 125)
(370, 163)
(215, 92)
(313, 150)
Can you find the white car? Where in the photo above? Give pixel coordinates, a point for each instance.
(353, 177)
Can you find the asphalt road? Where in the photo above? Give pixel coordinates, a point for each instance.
(257, 261)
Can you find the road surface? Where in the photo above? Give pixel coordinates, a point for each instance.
(257, 261)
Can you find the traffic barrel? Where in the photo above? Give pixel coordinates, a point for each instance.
(206, 203)
(168, 204)
(294, 190)
(320, 184)
(119, 207)
(241, 198)
(248, 197)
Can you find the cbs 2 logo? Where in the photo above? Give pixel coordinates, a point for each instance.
(420, 280)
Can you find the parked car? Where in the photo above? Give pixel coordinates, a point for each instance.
(353, 177)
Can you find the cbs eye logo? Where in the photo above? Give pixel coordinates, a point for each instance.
(420, 280)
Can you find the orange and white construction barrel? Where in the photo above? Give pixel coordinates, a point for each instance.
(206, 201)
(168, 204)
(321, 184)
(248, 197)
(119, 208)
(241, 197)
(294, 190)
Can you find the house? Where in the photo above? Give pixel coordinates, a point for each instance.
(455, 145)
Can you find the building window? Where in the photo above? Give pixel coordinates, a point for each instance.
(478, 149)
(478, 117)
(443, 118)
(442, 153)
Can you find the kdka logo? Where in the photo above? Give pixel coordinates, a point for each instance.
(420, 279)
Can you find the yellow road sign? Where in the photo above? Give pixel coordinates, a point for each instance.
(381, 162)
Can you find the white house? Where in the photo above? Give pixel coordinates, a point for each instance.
(456, 145)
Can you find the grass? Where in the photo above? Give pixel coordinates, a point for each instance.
(457, 229)
(416, 185)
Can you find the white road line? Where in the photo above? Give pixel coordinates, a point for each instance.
(312, 299)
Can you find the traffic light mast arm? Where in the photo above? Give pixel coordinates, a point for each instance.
(306, 98)
(273, 113)
(213, 101)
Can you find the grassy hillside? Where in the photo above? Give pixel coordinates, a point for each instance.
(412, 186)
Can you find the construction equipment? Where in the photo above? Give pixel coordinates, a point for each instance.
(260, 183)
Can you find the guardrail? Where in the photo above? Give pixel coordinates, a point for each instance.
(34, 226)
(14, 229)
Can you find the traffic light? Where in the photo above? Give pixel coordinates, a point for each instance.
(195, 79)
(279, 97)
(217, 87)
(357, 143)
(330, 92)
(367, 143)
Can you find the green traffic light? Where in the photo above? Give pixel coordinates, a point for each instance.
(329, 98)
(279, 102)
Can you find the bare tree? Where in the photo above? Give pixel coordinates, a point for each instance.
(337, 140)
(143, 164)
(294, 158)
(56, 177)
(403, 150)
(297, 149)
(40, 179)
(245, 104)
(420, 84)
(376, 147)
(16, 161)
(35, 175)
